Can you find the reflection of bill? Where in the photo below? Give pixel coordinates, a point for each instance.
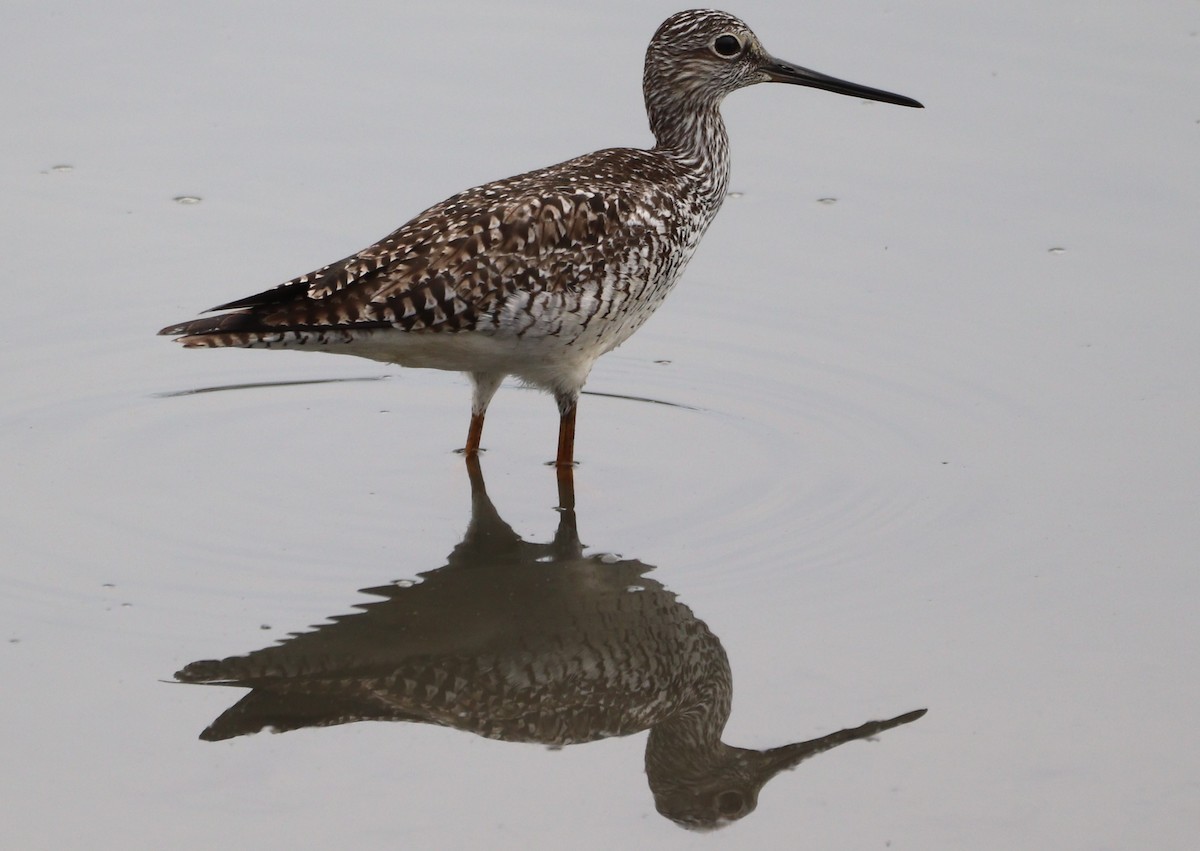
(526, 642)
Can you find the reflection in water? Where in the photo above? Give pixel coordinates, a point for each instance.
(526, 642)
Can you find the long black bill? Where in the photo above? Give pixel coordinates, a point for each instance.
(789, 756)
(778, 71)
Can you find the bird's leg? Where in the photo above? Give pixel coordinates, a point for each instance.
(565, 465)
(566, 431)
(566, 489)
(474, 433)
(486, 384)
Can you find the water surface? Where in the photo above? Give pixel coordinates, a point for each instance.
(931, 445)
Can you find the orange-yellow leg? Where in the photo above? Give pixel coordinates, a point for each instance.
(474, 435)
(566, 438)
(566, 487)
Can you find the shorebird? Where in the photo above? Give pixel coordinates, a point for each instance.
(536, 276)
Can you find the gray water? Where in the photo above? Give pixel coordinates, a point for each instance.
(929, 442)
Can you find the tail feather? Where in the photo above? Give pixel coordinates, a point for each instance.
(225, 323)
(242, 329)
(249, 329)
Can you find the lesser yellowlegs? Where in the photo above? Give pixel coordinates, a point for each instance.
(537, 275)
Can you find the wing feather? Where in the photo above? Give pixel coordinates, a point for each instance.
(461, 259)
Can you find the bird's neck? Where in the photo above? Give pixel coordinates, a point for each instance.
(685, 755)
(693, 735)
(693, 134)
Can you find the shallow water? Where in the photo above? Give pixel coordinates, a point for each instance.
(931, 445)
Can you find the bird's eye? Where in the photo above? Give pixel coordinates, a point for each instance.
(727, 46)
(730, 803)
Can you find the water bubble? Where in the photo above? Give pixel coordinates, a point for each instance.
(827, 201)
(1058, 249)
(187, 199)
(734, 194)
(62, 168)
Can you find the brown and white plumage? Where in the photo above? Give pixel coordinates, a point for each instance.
(537, 275)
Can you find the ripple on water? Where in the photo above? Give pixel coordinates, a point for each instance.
(799, 463)
(203, 494)
(773, 457)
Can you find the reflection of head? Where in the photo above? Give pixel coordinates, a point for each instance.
(705, 786)
(711, 796)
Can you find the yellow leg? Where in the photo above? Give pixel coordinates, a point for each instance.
(474, 435)
(566, 438)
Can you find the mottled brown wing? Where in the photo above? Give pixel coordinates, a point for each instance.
(446, 269)
(451, 265)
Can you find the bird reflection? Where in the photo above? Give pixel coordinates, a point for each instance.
(526, 642)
